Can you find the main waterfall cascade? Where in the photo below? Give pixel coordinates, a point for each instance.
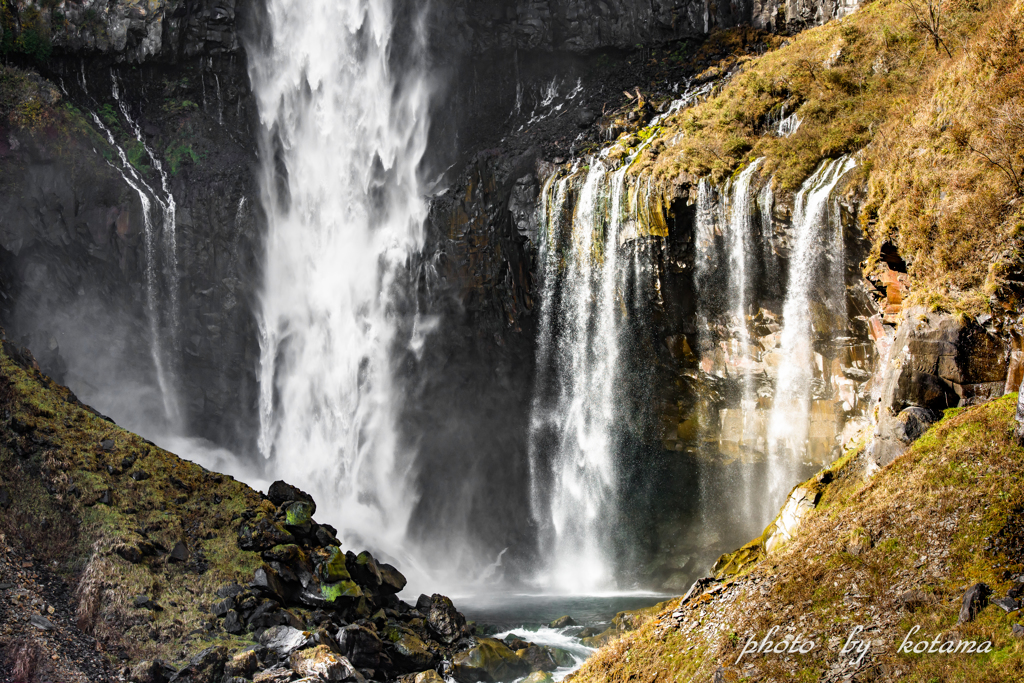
(345, 128)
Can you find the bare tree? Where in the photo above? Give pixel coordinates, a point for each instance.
(1003, 144)
(927, 16)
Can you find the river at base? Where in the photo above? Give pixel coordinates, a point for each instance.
(526, 616)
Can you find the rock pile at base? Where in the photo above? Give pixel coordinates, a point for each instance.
(317, 613)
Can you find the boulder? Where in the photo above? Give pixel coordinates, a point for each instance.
(1017, 631)
(299, 513)
(974, 601)
(562, 622)
(429, 676)
(539, 658)
(360, 645)
(334, 568)
(392, 581)
(539, 677)
(488, 660)
(563, 658)
(281, 492)
(179, 553)
(444, 620)
(408, 651)
(1007, 604)
(912, 423)
(321, 664)
(340, 590)
(222, 607)
(283, 639)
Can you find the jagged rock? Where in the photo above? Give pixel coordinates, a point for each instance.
(516, 643)
(562, 622)
(912, 423)
(179, 553)
(539, 658)
(326, 537)
(269, 581)
(151, 671)
(488, 660)
(360, 645)
(334, 568)
(264, 616)
(205, 667)
(1018, 631)
(423, 604)
(139, 475)
(340, 590)
(974, 601)
(392, 580)
(444, 620)
(283, 639)
(262, 534)
(281, 492)
(278, 674)
(323, 665)
(243, 665)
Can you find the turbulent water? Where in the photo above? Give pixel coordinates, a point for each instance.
(345, 129)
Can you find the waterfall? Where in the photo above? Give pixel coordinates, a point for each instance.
(740, 250)
(576, 401)
(345, 128)
(814, 295)
(159, 328)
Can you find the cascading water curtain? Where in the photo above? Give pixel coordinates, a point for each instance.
(345, 130)
(816, 261)
(573, 436)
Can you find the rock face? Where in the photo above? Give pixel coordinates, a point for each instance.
(935, 362)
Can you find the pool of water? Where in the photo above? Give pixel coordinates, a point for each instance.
(527, 616)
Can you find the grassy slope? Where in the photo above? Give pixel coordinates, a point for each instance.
(930, 515)
(875, 81)
(53, 466)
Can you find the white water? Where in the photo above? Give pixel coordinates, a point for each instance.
(817, 243)
(572, 429)
(351, 131)
(159, 329)
(556, 638)
(740, 238)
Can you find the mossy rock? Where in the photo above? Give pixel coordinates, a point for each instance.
(299, 513)
(408, 650)
(539, 677)
(332, 592)
(334, 569)
(263, 533)
(489, 660)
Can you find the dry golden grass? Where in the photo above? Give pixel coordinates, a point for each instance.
(930, 516)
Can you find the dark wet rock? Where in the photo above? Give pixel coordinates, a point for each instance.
(144, 602)
(41, 622)
(106, 497)
(283, 639)
(360, 645)
(233, 623)
(325, 537)
(222, 607)
(913, 422)
(423, 604)
(205, 667)
(269, 581)
(488, 660)
(363, 569)
(179, 553)
(262, 533)
(139, 475)
(5, 498)
(281, 492)
(444, 620)
(392, 580)
(974, 601)
(562, 622)
(539, 658)
(516, 643)
(107, 445)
